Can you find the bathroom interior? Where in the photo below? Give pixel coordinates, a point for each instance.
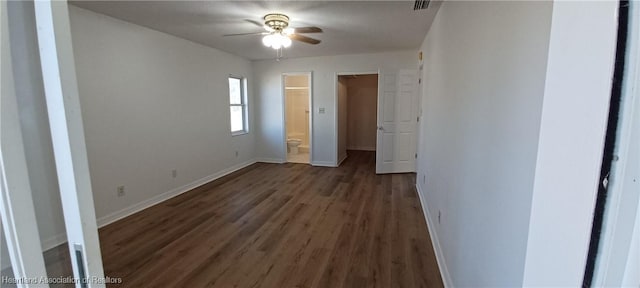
(297, 99)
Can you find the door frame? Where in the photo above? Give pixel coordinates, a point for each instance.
(68, 140)
(336, 75)
(615, 259)
(19, 223)
(284, 113)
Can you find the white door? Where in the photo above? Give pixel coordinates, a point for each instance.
(67, 135)
(397, 118)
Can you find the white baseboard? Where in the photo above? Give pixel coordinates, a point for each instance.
(54, 241)
(323, 164)
(115, 216)
(270, 160)
(361, 148)
(442, 265)
(342, 160)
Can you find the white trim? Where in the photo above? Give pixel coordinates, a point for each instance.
(357, 73)
(323, 164)
(243, 104)
(442, 265)
(362, 148)
(336, 80)
(342, 160)
(67, 137)
(54, 241)
(239, 133)
(270, 160)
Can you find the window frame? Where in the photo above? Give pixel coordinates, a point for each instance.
(243, 105)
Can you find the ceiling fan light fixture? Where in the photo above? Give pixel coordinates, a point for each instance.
(279, 35)
(286, 41)
(276, 21)
(267, 40)
(276, 40)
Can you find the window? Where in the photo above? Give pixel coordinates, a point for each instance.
(238, 105)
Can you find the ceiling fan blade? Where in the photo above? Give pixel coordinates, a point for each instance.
(254, 22)
(242, 34)
(304, 39)
(308, 30)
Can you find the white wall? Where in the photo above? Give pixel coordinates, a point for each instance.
(574, 117)
(484, 73)
(268, 87)
(153, 103)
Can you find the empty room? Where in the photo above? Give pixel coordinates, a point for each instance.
(320, 143)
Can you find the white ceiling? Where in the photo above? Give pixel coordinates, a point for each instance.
(350, 27)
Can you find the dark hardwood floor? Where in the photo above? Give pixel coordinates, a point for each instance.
(271, 225)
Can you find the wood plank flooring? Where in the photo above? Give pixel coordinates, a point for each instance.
(271, 225)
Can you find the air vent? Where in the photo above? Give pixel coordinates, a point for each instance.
(421, 4)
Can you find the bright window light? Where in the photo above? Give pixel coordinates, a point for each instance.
(238, 105)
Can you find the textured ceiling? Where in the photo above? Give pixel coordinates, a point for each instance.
(350, 27)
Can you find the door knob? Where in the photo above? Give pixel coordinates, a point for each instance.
(380, 128)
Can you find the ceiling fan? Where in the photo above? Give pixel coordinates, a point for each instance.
(278, 34)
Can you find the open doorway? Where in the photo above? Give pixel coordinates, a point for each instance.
(297, 116)
(357, 106)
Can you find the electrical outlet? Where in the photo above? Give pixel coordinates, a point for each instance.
(439, 214)
(237, 153)
(120, 191)
(174, 173)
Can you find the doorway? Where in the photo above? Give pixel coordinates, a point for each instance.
(357, 106)
(395, 113)
(297, 117)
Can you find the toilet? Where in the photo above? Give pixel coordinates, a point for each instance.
(292, 145)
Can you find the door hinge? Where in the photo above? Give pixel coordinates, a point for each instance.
(419, 80)
(418, 119)
(416, 156)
